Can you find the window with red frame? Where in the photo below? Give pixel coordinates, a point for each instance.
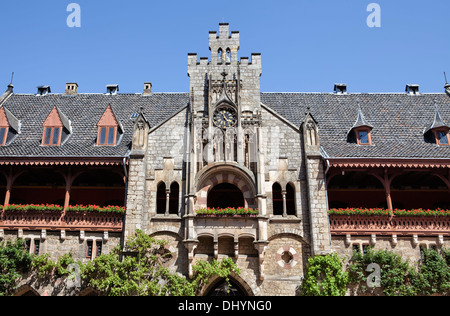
(52, 136)
(442, 137)
(363, 136)
(3, 135)
(107, 135)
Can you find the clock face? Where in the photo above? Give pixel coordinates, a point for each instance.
(224, 118)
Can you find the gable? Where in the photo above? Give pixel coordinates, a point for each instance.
(53, 119)
(108, 118)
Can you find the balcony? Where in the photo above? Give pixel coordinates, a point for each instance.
(381, 222)
(54, 218)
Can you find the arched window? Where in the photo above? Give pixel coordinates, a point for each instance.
(161, 198)
(277, 199)
(174, 198)
(220, 55)
(228, 55)
(290, 199)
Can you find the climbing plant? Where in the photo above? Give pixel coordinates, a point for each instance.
(14, 261)
(324, 276)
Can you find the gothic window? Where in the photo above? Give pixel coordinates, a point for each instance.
(220, 55)
(290, 199)
(277, 199)
(161, 198)
(228, 55)
(174, 198)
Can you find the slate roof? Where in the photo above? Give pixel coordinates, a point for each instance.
(84, 111)
(398, 120)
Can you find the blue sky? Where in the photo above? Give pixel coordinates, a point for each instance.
(306, 45)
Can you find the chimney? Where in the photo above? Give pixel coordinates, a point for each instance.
(43, 90)
(71, 88)
(112, 89)
(147, 88)
(447, 88)
(412, 89)
(340, 88)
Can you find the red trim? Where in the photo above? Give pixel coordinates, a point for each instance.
(436, 135)
(76, 161)
(369, 136)
(389, 163)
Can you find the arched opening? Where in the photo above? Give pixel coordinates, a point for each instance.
(290, 199)
(101, 187)
(413, 190)
(356, 189)
(161, 198)
(235, 287)
(225, 195)
(174, 198)
(228, 55)
(277, 199)
(38, 186)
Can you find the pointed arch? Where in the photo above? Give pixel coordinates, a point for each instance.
(161, 198)
(174, 198)
(216, 286)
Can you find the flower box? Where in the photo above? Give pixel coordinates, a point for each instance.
(228, 212)
(389, 213)
(96, 209)
(34, 208)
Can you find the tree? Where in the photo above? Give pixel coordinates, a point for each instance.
(141, 271)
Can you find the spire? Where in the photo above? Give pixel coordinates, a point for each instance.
(361, 120)
(437, 122)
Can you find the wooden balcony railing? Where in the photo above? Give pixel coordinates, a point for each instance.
(386, 225)
(70, 221)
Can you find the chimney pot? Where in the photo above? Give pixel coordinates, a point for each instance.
(112, 89)
(71, 88)
(147, 88)
(340, 88)
(43, 90)
(412, 89)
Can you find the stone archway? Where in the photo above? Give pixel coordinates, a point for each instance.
(237, 180)
(225, 195)
(220, 287)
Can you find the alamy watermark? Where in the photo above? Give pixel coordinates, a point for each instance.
(374, 279)
(374, 18)
(74, 18)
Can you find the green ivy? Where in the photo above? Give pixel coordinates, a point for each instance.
(141, 271)
(325, 276)
(14, 261)
(433, 276)
(396, 274)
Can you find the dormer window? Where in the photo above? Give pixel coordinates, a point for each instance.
(3, 135)
(109, 129)
(438, 129)
(52, 136)
(363, 137)
(9, 126)
(57, 128)
(442, 137)
(107, 136)
(361, 130)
